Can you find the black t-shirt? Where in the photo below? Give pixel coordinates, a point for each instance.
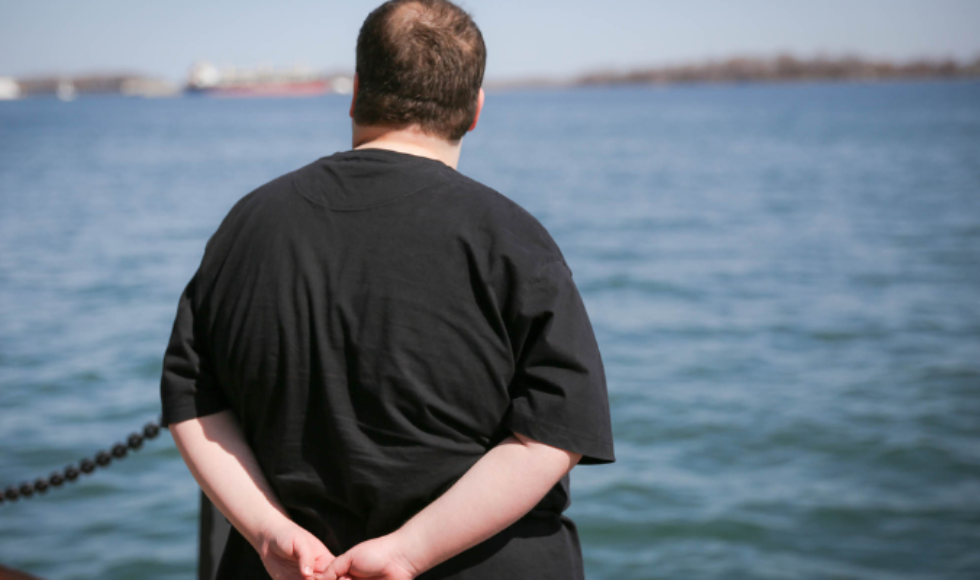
(377, 322)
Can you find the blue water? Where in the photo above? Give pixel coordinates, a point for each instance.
(784, 282)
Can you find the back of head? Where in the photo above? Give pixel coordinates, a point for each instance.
(419, 62)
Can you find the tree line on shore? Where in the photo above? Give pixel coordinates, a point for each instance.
(786, 68)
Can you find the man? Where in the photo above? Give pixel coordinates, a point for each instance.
(383, 369)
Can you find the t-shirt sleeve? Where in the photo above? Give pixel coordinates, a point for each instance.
(558, 393)
(187, 387)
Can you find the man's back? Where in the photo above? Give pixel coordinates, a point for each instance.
(377, 322)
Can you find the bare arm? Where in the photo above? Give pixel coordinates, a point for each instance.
(497, 491)
(226, 469)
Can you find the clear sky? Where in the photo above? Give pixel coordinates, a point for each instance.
(554, 38)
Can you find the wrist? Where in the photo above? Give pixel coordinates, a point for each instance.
(264, 532)
(409, 552)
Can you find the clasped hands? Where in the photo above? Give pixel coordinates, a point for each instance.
(289, 552)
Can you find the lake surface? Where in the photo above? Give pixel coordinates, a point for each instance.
(784, 282)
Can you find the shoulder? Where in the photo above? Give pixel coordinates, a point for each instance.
(508, 225)
(273, 193)
(257, 212)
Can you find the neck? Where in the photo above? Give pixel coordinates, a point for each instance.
(409, 140)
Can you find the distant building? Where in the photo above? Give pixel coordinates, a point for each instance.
(148, 88)
(69, 88)
(66, 90)
(9, 89)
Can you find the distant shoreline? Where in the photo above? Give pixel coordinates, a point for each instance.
(507, 87)
(781, 69)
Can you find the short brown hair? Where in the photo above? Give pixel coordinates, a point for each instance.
(419, 62)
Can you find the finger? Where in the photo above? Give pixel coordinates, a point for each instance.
(305, 557)
(340, 567)
(322, 561)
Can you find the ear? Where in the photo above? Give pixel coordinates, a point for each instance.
(353, 98)
(479, 109)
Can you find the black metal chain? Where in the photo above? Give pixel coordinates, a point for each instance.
(85, 466)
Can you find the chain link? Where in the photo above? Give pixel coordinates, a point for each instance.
(70, 473)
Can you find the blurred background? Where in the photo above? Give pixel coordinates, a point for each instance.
(771, 209)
